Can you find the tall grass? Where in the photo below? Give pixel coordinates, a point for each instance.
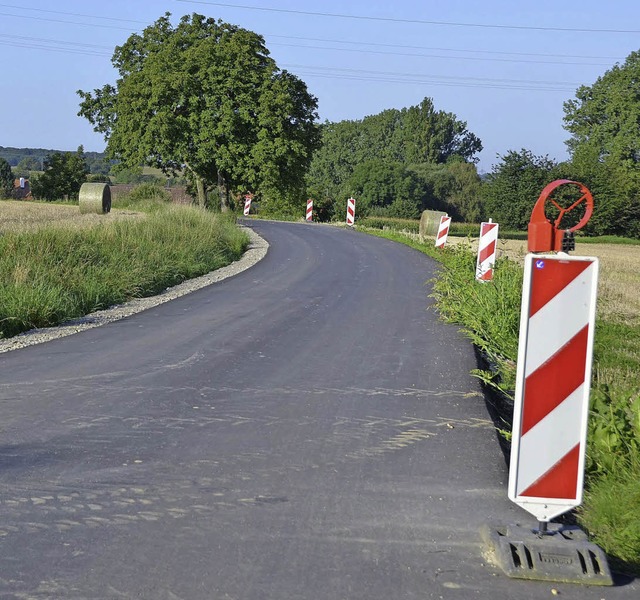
(58, 273)
(489, 314)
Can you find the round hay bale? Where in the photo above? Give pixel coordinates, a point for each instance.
(95, 198)
(429, 222)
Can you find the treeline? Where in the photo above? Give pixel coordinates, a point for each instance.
(400, 162)
(397, 163)
(26, 160)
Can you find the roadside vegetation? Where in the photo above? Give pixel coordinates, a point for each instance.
(489, 315)
(53, 272)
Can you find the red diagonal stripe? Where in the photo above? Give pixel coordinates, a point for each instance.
(549, 281)
(554, 380)
(487, 251)
(561, 481)
(487, 227)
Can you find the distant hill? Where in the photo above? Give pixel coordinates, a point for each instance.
(95, 160)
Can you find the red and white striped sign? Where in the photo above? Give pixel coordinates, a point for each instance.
(351, 211)
(443, 231)
(487, 251)
(309, 210)
(247, 205)
(552, 384)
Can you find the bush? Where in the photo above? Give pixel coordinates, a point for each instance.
(146, 196)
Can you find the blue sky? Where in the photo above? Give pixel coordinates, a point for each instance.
(504, 67)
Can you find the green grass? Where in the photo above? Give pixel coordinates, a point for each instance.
(489, 314)
(393, 224)
(59, 273)
(608, 239)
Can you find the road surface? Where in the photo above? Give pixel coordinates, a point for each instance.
(307, 429)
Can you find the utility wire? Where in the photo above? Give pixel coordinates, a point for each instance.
(412, 21)
(301, 38)
(445, 77)
(23, 38)
(410, 47)
(70, 14)
(474, 58)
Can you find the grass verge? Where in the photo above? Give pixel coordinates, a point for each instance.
(489, 315)
(57, 273)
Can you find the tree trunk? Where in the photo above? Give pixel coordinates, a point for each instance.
(223, 191)
(201, 188)
(202, 192)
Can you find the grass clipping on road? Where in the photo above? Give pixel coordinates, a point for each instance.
(490, 316)
(50, 273)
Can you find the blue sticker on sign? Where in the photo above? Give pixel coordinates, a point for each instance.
(539, 264)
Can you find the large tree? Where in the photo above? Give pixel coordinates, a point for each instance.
(604, 123)
(513, 186)
(205, 96)
(64, 173)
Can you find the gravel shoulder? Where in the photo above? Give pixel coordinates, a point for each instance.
(256, 251)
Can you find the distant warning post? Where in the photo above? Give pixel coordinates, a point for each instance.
(309, 213)
(247, 204)
(555, 354)
(487, 246)
(351, 212)
(443, 231)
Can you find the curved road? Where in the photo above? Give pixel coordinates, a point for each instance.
(307, 429)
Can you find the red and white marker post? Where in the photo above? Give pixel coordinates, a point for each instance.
(309, 210)
(487, 251)
(247, 205)
(553, 383)
(553, 378)
(443, 231)
(351, 212)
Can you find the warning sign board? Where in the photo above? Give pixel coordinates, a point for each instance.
(552, 384)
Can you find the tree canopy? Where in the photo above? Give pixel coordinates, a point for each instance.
(399, 140)
(513, 186)
(64, 173)
(205, 96)
(604, 123)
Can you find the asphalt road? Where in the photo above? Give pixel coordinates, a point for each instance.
(307, 429)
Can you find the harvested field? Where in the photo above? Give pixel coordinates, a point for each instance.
(19, 216)
(619, 273)
(619, 279)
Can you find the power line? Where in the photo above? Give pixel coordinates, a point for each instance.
(411, 21)
(70, 14)
(435, 83)
(32, 46)
(431, 80)
(444, 77)
(50, 20)
(48, 40)
(323, 40)
(436, 49)
(474, 58)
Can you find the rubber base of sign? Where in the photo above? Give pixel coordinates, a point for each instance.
(563, 554)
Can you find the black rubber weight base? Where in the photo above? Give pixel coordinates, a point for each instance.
(562, 555)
